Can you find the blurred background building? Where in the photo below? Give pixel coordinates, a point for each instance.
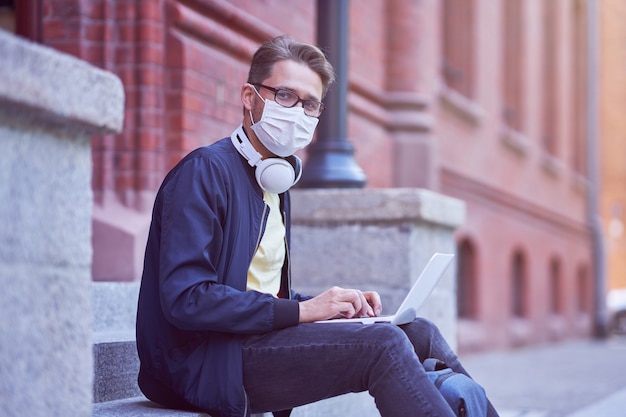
(483, 100)
(613, 153)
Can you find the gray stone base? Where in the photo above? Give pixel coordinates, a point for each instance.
(138, 407)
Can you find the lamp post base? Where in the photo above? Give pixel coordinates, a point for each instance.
(331, 164)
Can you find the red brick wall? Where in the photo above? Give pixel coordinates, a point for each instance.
(182, 65)
(126, 38)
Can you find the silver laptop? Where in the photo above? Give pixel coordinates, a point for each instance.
(425, 284)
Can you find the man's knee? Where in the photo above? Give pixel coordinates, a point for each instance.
(423, 327)
(424, 335)
(390, 337)
(389, 348)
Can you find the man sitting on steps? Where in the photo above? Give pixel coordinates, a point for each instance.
(219, 327)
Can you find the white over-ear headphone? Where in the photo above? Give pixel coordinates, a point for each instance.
(274, 175)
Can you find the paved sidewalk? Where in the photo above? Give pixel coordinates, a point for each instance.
(582, 378)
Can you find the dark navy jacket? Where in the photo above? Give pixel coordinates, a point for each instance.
(208, 219)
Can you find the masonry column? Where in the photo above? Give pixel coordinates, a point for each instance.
(411, 79)
(50, 105)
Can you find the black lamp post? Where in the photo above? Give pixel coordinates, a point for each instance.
(330, 159)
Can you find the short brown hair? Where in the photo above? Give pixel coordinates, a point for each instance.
(284, 48)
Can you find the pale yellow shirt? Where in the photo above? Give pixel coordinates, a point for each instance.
(266, 267)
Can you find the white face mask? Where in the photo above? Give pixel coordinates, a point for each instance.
(284, 130)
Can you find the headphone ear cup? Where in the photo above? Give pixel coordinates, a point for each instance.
(275, 175)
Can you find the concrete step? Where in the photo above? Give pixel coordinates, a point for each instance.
(138, 407)
(142, 407)
(116, 367)
(116, 363)
(349, 405)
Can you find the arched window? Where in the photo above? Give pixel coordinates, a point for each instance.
(458, 45)
(555, 287)
(467, 303)
(518, 285)
(582, 290)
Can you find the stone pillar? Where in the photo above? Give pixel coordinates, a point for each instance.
(373, 239)
(50, 105)
(376, 239)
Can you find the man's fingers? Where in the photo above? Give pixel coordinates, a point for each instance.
(373, 299)
(349, 303)
(347, 310)
(359, 303)
(366, 308)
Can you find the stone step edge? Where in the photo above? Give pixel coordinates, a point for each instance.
(142, 407)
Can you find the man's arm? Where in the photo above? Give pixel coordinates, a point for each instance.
(192, 244)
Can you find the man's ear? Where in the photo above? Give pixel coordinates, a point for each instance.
(247, 96)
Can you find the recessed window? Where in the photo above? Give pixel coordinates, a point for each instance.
(578, 86)
(458, 46)
(467, 302)
(582, 290)
(518, 285)
(512, 64)
(7, 15)
(551, 75)
(22, 17)
(555, 287)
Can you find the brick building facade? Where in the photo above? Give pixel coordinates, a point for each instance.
(481, 100)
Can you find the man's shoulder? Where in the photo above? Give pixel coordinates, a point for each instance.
(219, 156)
(222, 147)
(219, 153)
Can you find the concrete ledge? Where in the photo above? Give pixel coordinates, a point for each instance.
(139, 407)
(142, 407)
(327, 206)
(58, 88)
(114, 311)
(116, 369)
(376, 239)
(115, 357)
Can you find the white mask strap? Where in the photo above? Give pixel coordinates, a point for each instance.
(258, 94)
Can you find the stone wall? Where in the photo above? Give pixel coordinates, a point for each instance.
(50, 105)
(376, 239)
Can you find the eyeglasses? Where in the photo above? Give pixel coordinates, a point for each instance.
(288, 98)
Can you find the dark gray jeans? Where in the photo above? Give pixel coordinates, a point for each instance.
(309, 362)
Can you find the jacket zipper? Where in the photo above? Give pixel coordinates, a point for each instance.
(261, 229)
(263, 224)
